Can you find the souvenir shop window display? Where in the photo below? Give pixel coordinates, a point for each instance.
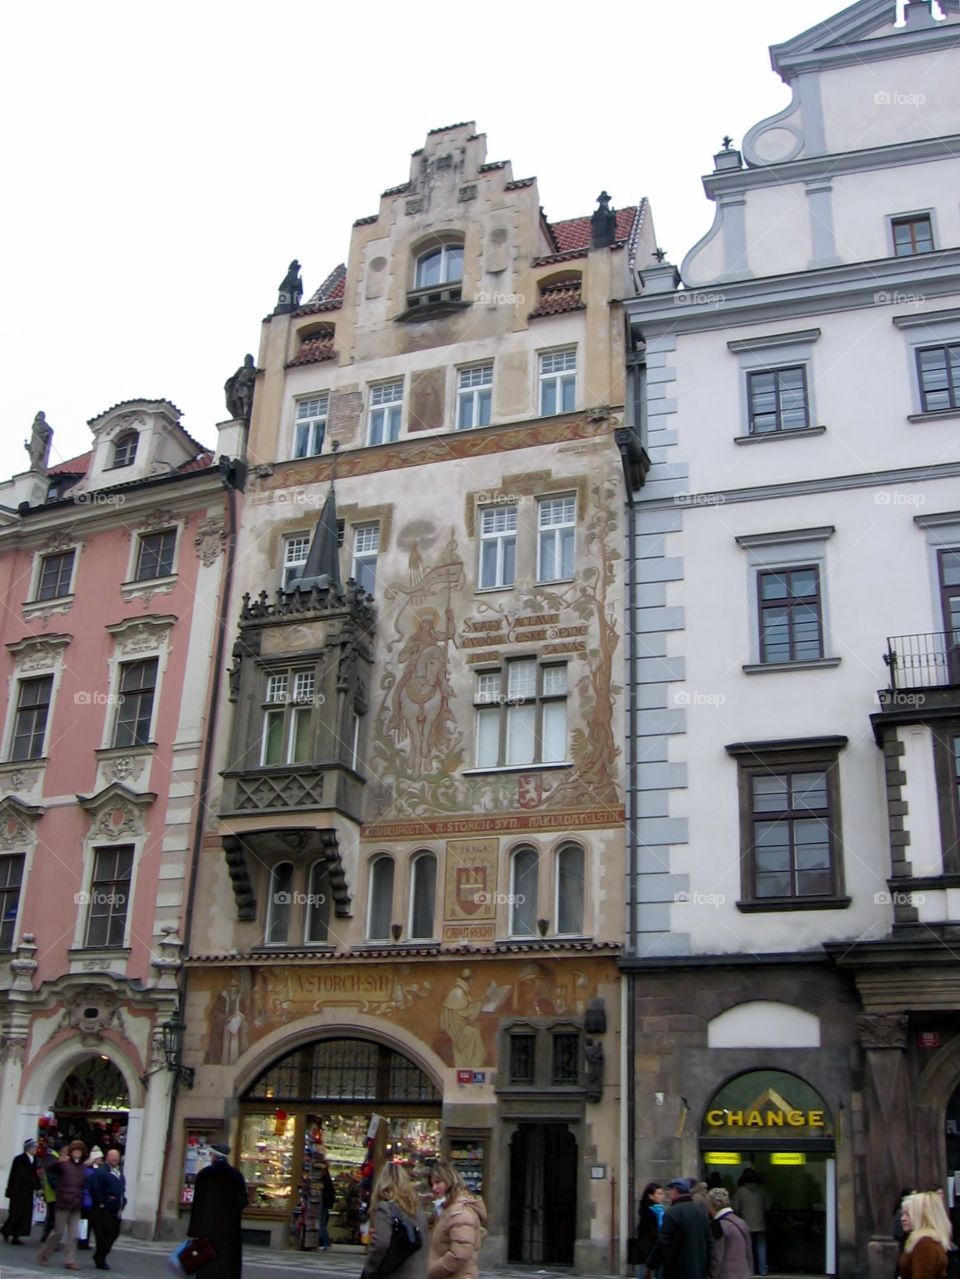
(468, 1156)
(266, 1160)
(196, 1157)
(414, 1143)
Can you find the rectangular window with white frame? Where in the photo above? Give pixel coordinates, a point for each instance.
(558, 382)
(11, 881)
(296, 548)
(310, 425)
(288, 716)
(109, 897)
(556, 538)
(366, 545)
(498, 547)
(56, 576)
(386, 412)
(474, 397)
(30, 720)
(155, 555)
(136, 688)
(521, 714)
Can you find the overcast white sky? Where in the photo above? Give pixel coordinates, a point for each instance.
(163, 163)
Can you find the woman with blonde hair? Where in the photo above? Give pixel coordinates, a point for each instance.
(394, 1197)
(925, 1250)
(459, 1229)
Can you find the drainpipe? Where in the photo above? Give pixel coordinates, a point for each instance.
(233, 475)
(636, 373)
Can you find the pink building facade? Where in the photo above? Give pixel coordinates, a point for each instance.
(112, 572)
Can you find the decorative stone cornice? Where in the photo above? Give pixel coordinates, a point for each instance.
(141, 634)
(17, 823)
(38, 652)
(116, 812)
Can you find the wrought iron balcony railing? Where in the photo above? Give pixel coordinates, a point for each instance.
(923, 661)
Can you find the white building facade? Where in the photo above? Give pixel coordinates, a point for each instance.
(793, 858)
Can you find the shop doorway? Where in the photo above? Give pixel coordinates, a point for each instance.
(768, 1139)
(350, 1103)
(92, 1104)
(543, 1195)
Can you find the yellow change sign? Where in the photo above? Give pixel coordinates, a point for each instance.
(788, 1157)
(765, 1119)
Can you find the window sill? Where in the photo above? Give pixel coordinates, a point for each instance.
(44, 608)
(148, 587)
(779, 435)
(812, 664)
(939, 415)
(492, 590)
(515, 768)
(769, 905)
(554, 581)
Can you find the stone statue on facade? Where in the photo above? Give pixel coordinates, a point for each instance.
(291, 290)
(238, 390)
(593, 1056)
(38, 445)
(603, 224)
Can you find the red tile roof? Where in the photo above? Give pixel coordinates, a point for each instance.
(574, 233)
(314, 349)
(555, 299)
(72, 466)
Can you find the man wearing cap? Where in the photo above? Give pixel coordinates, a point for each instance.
(219, 1198)
(683, 1245)
(22, 1184)
(108, 1192)
(70, 1175)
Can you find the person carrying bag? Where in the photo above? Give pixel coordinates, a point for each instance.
(397, 1228)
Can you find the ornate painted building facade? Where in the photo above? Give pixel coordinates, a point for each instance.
(410, 907)
(113, 579)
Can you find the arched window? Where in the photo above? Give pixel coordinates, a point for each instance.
(524, 883)
(570, 889)
(317, 916)
(125, 449)
(441, 265)
(381, 899)
(423, 895)
(278, 904)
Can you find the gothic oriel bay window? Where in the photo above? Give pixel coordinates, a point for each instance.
(288, 706)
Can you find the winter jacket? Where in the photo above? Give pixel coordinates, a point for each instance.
(732, 1253)
(457, 1235)
(108, 1190)
(70, 1179)
(750, 1202)
(381, 1230)
(925, 1259)
(683, 1247)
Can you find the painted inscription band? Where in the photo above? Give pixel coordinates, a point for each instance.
(581, 818)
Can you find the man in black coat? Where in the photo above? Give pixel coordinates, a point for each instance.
(683, 1246)
(22, 1185)
(219, 1198)
(108, 1189)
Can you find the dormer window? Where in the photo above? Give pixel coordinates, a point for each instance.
(125, 449)
(442, 265)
